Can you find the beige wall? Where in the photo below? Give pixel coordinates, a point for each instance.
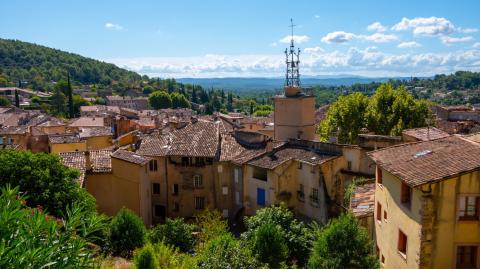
(293, 115)
(398, 217)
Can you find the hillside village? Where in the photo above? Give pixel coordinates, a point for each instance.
(416, 194)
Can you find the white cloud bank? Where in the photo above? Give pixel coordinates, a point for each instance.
(367, 62)
(432, 26)
(297, 38)
(343, 37)
(113, 26)
(409, 44)
(377, 27)
(447, 40)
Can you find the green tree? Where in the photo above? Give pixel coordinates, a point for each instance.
(174, 232)
(32, 239)
(148, 89)
(4, 101)
(71, 109)
(224, 251)
(160, 100)
(78, 101)
(269, 245)
(345, 118)
(211, 224)
(45, 180)
(145, 258)
(342, 243)
(57, 101)
(17, 99)
(179, 100)
(127, 233)
(297, 235)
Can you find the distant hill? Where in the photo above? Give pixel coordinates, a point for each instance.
(265, 84)
(39, 66)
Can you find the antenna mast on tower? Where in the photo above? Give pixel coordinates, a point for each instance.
(292, 76)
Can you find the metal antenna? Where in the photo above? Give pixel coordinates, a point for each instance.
(292, 60)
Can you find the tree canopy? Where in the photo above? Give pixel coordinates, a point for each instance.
(342, 243)
(160, 100)
(387, 112)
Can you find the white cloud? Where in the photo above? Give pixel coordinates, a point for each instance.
(409, 44)
(369, 61)
(377, 27)
(476, 45)
(113, 26)
(467, 30)
(313, 50)
(432, 26)
(338, 37)
(447, 40)
(297, 38)
(379, 37)
(317, 16)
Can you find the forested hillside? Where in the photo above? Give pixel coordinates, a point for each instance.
(39, 66)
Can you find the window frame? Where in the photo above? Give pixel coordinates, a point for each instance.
(464, 216)
(402, 244)
(474, 256)
(197, 181)
(406, 194)
(379, 175)
(153, 188)
(379, 212)
(199, 203)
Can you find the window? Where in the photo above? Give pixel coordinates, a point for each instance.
(225, 213)
(402, 243)
(406, 195)
(301, 193)
(379, 211)
(159, 211)
(156, 188)
(260, 196)
(197, 181)
(469, 207)
(237, 175)
(260, 173)
(152, 165)
(467, 257)
(175, 189)
(377, 250)
(385, 215)
(379, 175)
(300, 165)
(314, 196)
(383, 259)
(349, 165)
(199, 203)
(225, 190)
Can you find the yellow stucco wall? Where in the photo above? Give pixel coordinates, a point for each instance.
(294, 114)
(448, 231)
(99, 142)
(68, 147)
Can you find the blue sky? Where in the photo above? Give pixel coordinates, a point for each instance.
(244, 38)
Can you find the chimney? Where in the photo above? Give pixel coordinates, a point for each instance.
(193, 119)
(269, 146)
(88, 163)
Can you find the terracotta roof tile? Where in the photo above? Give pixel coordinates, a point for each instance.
(101, 161)
(63, 138)
(425, 133)
(155, 145)
(88, 122)
(86, 132)
(199, 139)
(363, 200)
(130, 157)
(429, 161)
(271, 160)
(77, 160)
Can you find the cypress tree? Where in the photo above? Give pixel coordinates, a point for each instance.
(17, 98)
(70, 98)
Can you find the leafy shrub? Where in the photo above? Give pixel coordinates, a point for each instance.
(45, 180)
(127, 233)
(32, 239)
(297, 235)
(174, 232)
(211, 224)
(269, 246)
(145, 258)
(342, 243)
(225, 251)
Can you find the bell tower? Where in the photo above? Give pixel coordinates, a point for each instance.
(294, 115)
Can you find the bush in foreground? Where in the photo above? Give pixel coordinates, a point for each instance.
(127, 233)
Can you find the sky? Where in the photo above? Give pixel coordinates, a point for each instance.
(206, 38)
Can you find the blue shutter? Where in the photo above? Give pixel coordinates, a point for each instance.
(260, 196)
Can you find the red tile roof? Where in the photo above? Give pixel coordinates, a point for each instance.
(363, 200)
(425, 133)
(429, 161)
